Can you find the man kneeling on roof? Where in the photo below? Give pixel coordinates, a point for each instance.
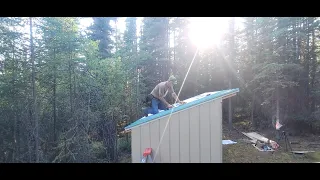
(157, 96)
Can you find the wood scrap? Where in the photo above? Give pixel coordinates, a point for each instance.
(302, 152)
(256, 136)
(247, 141)
(251, 138)
(253, 141)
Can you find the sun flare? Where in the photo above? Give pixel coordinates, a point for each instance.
(206, 32)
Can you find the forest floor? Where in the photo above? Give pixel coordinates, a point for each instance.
(125, 158)
(244, 152)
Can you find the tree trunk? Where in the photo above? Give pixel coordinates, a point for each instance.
(54, 96)
(294, 34)
(34, 95)
(231, 69)
(313, 68)
(299, 40)
(15, 129)
(277, 104)
(115, 142)
(307, 68)
(252, 109)
(70, 84)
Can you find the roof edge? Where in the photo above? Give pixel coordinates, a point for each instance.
(182, 107)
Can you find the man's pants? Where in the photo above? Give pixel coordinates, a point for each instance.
(156, 105)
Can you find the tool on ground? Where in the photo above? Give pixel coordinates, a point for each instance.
(146, 154)
(262, 146)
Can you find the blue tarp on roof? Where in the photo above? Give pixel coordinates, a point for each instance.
(190, 102)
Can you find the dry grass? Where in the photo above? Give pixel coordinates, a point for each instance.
(315, 157)
(244, 152)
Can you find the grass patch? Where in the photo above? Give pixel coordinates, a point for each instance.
(246, 153)
(313, 156)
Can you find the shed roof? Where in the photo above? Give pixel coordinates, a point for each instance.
(196, 100)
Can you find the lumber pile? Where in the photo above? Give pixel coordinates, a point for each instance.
(261, 143)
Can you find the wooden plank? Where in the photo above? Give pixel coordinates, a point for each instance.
(302, 152)
(254, 141)
(248, 141)
(174, 139)
(256, 136)
(204, 122)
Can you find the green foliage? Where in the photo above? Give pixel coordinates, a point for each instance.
(124, 145)
(89, 86)
(101, 31)
(98, 149)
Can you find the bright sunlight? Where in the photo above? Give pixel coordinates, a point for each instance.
(207, 31)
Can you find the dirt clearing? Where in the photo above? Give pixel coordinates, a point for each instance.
(244, 152)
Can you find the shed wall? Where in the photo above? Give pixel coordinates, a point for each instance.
(192, 136)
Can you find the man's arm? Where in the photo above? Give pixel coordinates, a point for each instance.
(163, 100)
(174, 95)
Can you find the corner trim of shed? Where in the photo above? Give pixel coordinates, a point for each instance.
(224, 94)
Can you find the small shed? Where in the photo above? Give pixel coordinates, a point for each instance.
(193, 134)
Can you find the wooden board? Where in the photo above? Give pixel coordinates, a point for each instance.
(251, 141)
(256, 136)
(302, 152)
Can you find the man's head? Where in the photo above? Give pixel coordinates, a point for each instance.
(172, 79)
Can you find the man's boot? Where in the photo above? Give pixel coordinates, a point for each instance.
(144, 110)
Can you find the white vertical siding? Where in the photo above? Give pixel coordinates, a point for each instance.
(174, 138)
(155, 139)
(184, 136)
(205, 144)
(192, 136)
(216, 131)
(165, 144)
(135, 145)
